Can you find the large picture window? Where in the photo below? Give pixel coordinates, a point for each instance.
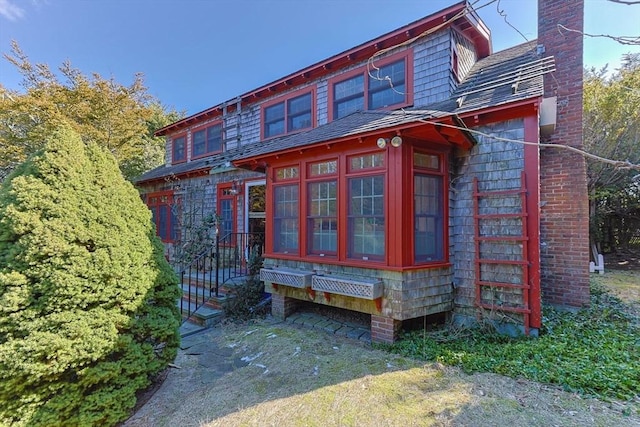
(164, 210)
(207, 141)
(287, 116)
(382, 84)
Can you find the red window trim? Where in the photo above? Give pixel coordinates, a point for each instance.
(204, 127)
(443, 172)
(408, 69)
(233, 198)
(315, 179)
(399, 206)
(284, 99)
(173, 159)
(170, 202)
(342, 203)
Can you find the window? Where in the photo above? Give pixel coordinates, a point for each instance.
(207, 141)
(366, 226)
(287, 116)
(348, 96)
(428, 205)
(178, 149)
(164, 215)
(380, 85)
(226, 207)
(286, 224)
(286, 212)
(387, 85)
(322, 221)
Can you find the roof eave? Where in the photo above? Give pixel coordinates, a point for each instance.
(480, 35)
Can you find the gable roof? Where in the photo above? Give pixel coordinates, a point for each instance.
(504, 78)
(507, 76)
(461, 15)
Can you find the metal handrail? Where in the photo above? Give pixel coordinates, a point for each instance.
(226, 259)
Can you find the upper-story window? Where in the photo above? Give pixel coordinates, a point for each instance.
(206, 141)
(291, 114)
(380, 84)
(178, 149)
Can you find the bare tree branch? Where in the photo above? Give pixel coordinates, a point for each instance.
(627, 2)
(627, 40)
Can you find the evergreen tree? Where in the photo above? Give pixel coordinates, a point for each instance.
(88, 311)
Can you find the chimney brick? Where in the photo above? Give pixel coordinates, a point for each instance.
(564, 224)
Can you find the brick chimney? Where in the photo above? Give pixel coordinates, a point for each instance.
(564, 224)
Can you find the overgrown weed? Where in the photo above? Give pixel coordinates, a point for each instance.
(594, 351)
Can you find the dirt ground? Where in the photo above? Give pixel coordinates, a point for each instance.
(273, 373)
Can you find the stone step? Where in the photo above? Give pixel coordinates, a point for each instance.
(206, 316)
(189, 328)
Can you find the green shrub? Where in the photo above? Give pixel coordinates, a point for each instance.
(246, 298)
(88, 310)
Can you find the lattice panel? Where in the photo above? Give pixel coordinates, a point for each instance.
(348, 287)
(295, 279)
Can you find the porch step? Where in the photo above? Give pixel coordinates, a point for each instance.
(190, 328)
(206, 316)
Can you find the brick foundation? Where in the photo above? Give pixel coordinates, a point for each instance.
(282, 307)
(384, 329)
(564, 225)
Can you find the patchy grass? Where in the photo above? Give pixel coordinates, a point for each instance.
(623, 284)
(594, 352)
(302, 377)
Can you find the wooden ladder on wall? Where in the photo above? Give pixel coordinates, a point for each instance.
(501, 252)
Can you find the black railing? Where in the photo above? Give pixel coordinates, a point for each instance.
(227, 259)
(234, 252)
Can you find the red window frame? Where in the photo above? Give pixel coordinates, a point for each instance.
(225, 194)
(440, 171)
(282, 177)
(175, 139)
(367, 71)
(164, 201)
(285, 101)
(209, 127)
(322, 176)
(365, 171)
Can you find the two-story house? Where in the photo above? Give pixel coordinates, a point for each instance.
(402, 177)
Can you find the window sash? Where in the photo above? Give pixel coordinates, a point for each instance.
(288, 116)
(178, 149)
(299, 112)
(322, 217)
(226, 217)
(348, 96)
(384, 93)
(274, 120)
(366, 222)
(428, 218)
(286, 218)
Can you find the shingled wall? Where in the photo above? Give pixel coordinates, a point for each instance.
(498, 166)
